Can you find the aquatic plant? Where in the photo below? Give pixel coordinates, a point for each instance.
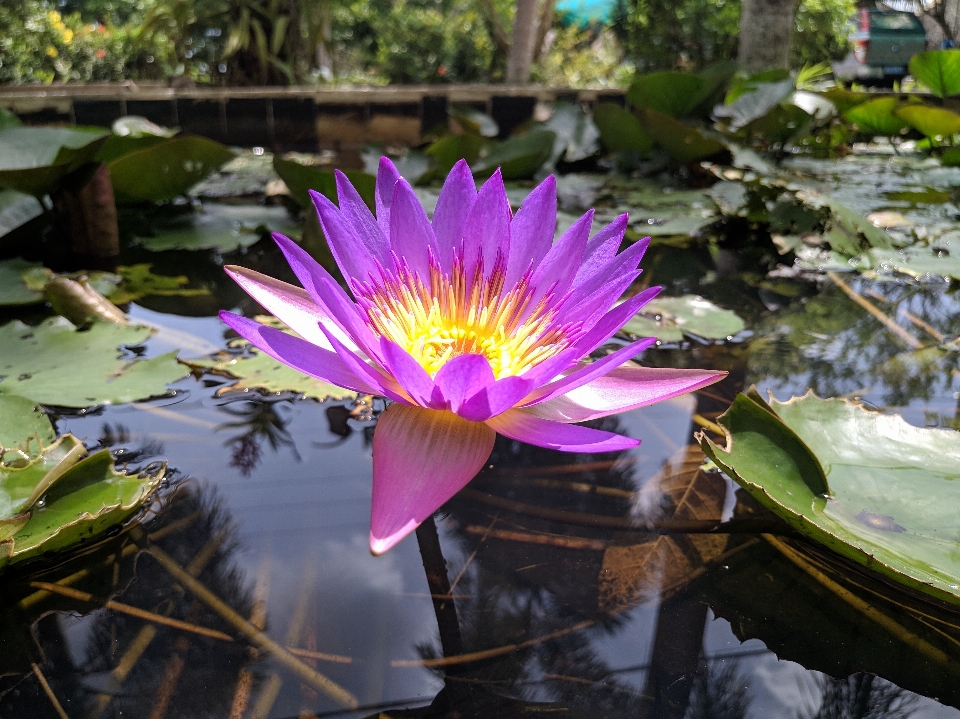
(473, 324)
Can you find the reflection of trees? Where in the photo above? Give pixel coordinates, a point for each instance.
(261, 419)
(863, 696)
(835, 347)
(719, 692)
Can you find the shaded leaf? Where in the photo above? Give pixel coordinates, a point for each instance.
(673, 93)
(301, 178)
(167, 169)
(680, 141)
(620, 130)
(34, 160)
(577, 135)
(220, 226)
(893, 488)
(518, 157)
(876, 116)
(16, 209)
(14, 289)
(55, 364)
(754, 103)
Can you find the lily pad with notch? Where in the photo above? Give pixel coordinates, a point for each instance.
(890, 504)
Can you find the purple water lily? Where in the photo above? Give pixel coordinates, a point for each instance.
(473, 324)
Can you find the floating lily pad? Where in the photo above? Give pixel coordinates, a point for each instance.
(35, 159)
(300, 179)
(223, 227)
(681, 142)
(893, 492)
(167, 169)
(620, 130)
(16, 209)
(59, 500)
(21, 420)
(938, 70)
(669, 318)
(55, 364)
(916, 261)
(519, 157)
(256, 370)
(14, 287)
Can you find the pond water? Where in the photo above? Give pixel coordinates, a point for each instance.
(542, 590)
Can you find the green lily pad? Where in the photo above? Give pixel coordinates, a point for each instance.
(753, 100)
(669, 318)
(14, 287)
(300, 179)
(259, 371)
(673, 93)
(518, 157)
(223, 227)
(21, 420)
(681, 142)
(71, 502)
(138, 281)
(577, 135)
(448, 151)
(938, 70)
(916, 261)
(893, 489)
(876, 116)
(16, 209)
(55, 364)
(844, 99)
(780, 124)
(620, 130)
(34, 160)
(933, 122)
(167, 169)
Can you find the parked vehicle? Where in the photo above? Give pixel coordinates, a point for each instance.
(883, 43)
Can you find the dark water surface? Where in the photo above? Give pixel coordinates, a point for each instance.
(553, 597)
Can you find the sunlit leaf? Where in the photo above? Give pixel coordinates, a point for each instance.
(876, 116)
(167, 169)
(933, 122)
(55, 364)
(16, 209)
(938, 70)
(20, 420)
(893, 490)
(35, 159)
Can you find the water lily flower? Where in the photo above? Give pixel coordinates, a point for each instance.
(472, 324)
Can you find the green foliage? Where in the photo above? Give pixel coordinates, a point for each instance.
(877, 116)
(820, 31)
(938, 70)
(670, 318)
(580, 57)
(34, 160)
(933, 122)
(167, 169)
(620, 130)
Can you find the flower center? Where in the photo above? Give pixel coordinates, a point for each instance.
(450, 316)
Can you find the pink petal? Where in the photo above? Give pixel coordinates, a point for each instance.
(387, 176)
(487, 229)
(532, 230)
(290, 304)
(623, 389)
(612, 321)
(326, 292)
(421, 458)
(522, 426)
(620, 265)
(372, 374)
(589, 371)
(496, 398)
(301, 355)
(411, 234)
(559, 267)
(457, 197)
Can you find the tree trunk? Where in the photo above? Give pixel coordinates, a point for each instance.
(524, 38)
(766, 30)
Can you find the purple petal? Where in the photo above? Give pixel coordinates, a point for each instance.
(364, 224)
(421, 458)
(588, 310)
(525, 427)
(462, 377)
(387, 176)
(300, 354)
(496, 398)
(623, 389)
(325, 290)
(559, 267)
(590, 371)
(487, 229)
(602, 248)
(620, 265)
(371, 374)
(532, 230)
(354, 259)
(411, 234)
(457, 197)
(613, 320)
(408, 373)
(290, 304)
